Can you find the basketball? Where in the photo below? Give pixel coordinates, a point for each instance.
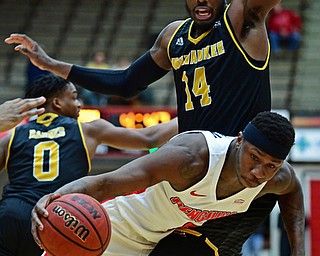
(77, 225)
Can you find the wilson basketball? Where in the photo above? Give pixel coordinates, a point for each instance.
(77, 225)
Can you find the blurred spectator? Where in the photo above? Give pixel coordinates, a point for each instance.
(284, 26)
(93, 98)
(122, 63)
(255, 243)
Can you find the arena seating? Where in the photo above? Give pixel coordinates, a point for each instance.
(305, 99)
(72, 29)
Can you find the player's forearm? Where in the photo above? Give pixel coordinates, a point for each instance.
(57, 67)
(125, 83)
(89, 185)
(293, 214)
(161, 133)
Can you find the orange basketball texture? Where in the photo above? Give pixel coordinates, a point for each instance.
(77, 225)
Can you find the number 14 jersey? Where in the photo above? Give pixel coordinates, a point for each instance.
(212, 72)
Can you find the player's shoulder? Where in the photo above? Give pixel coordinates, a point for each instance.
(175, 24)
(100, 122)
(65, 121)
(282, 181)
(172, 27)
(97, 126)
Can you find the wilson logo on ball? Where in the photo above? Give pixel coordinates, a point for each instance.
(72, 222)
(77, 224)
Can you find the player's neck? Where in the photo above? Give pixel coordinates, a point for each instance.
(228, 183)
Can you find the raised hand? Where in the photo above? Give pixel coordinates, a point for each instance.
(40, 210)
(37, 55)
(30, 48)
(12, 112)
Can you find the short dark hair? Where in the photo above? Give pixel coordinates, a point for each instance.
(48, 86)
(275, 127)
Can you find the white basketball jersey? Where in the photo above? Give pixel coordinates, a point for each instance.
(155, 212)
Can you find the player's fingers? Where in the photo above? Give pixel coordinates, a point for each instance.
(32, 112)
(28, 107)
(29, 104)
(14, 101)
(35, 216)
(34, 233)
(26, 45)
(23, 49)
(52, 197)
(37, 211)
(20, 39)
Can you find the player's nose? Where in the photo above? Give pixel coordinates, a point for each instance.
(258, 171)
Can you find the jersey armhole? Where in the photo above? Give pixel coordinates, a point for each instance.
(173, 35)
(9, 148)
(248, 59)
(84, 145)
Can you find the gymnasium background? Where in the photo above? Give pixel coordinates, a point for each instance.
(72, 30)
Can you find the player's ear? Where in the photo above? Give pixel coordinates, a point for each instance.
(239, 138)
(56, 103)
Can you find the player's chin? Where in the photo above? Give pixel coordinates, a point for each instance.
(250, 183)
(205, 25)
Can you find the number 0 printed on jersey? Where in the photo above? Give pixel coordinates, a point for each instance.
(43, 151)
(200, 88)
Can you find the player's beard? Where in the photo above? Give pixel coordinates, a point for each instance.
(202, 25)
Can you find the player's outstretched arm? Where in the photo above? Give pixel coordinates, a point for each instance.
(150, 67)
(286, 185)
(248, 21)
(38, 56)
(103, 132)
(157, 135)
(292, 211)
(125, 83)
(12, 112)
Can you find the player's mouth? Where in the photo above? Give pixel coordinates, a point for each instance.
(203, 13)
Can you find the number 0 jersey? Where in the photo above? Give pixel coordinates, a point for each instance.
(212, 72)
(43, 155)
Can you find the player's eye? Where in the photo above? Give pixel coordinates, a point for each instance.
(254, 158)
(271, 166)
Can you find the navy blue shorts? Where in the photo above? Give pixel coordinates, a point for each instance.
(15, 229)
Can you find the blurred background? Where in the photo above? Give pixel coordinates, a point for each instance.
(113, 33)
